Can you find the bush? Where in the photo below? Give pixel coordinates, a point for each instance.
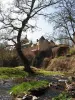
(10, 62)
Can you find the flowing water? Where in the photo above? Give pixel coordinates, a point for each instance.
(7, 84)
(51, 91)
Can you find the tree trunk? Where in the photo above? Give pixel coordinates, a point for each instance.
(19, 50)
(24, 59)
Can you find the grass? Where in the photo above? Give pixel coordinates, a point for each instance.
(47, 73)
(6, 73)
(25, 87)
(62, 96)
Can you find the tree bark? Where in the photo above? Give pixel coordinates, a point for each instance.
(24, 59)
(19, 49)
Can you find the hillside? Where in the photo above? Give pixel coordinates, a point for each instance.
(62, 63)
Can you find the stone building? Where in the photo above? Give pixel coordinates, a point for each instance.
(48, 49)
(60, 50)
(43, 44)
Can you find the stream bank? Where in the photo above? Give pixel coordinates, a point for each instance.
(5, 86)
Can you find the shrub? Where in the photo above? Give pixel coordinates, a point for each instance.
(10, 62)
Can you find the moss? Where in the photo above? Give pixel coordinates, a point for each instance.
(47, 73)
(25, 87)
(11, 73)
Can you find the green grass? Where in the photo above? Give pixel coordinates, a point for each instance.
(6, 72)
(62, 96)
(48, 73)
(25, 87)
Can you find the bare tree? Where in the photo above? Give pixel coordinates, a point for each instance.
(16, 22)
(64, 19)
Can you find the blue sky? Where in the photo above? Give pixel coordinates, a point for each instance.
(44, 26)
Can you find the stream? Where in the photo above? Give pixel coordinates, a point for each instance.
(6, 85)
(51, 92)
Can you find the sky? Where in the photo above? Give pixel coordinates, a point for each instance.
(44, 26)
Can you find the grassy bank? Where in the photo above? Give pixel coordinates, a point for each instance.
(6, 73)
(63, 63)
(25, 87)
(47, 73)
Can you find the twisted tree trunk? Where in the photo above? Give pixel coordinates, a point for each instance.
(24, 59)
(19, 49)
